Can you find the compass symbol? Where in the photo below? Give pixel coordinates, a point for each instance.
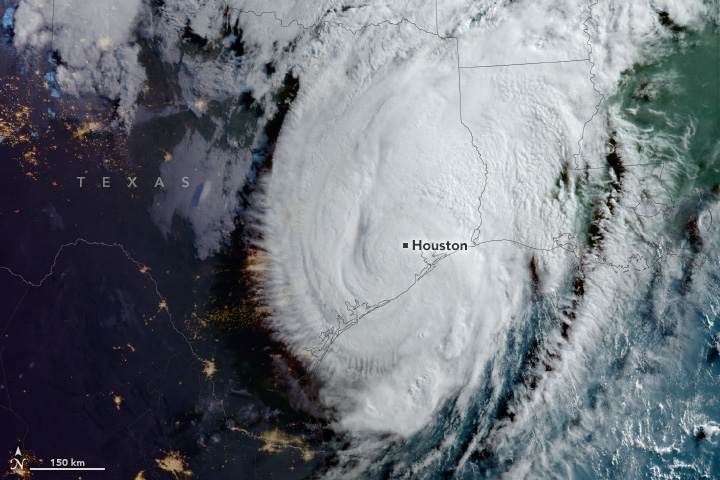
(17, 463)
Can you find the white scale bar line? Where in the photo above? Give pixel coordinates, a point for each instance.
(67, 468)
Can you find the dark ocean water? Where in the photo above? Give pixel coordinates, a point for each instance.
(616, 374)
(106, 364)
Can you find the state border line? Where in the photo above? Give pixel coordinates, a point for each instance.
(526, 63)
(329, 336)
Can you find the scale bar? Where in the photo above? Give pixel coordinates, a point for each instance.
(67, 468)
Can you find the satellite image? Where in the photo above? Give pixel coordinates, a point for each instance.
(400, 239)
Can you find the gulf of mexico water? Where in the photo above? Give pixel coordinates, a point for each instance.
(631, 390)
(643, 401)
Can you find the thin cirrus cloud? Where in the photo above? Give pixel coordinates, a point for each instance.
(388, 141)
(376, 152)
(96, 42)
